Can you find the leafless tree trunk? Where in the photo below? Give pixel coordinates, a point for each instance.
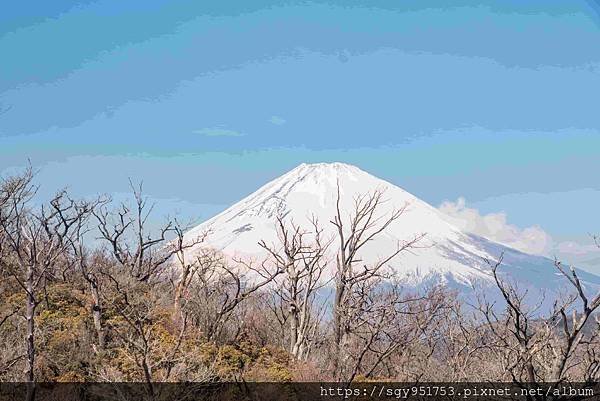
(88, 265)
(188, 266)
(140, 260)
(303, 263)
(141, 263)
(364, 224)
(30, 316)
(523, 338)
(573, 331)
(37, 239)
(97, 314)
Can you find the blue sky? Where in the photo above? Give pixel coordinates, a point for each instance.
(493, 101)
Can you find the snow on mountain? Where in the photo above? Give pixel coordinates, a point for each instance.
(446, 254)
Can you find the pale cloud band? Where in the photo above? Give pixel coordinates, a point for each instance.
(574, 248)
(217, 131)
(495, 227)
(276, 120)
(533, 240)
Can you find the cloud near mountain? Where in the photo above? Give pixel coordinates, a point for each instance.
(581, 252)
(495, 227)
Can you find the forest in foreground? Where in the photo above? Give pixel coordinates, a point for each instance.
(88, 293)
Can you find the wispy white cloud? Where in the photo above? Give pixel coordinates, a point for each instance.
(581, 252)
(218, 131)
(577, 249)
(277, 120)
(495, 227)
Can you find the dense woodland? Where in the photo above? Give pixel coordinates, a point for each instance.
(89, 293)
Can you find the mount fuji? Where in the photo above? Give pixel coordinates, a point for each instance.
(446, 255)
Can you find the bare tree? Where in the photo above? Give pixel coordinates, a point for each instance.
(188, 266)
(535, 348)
(11, 354)
(140, 266)
(572, 328)
(519, 320)
(363, 225)
(462, 345)
(88, 263)
(125, 230)
(12, 346)
(303, 263)
(36, 240)
(221, 286)
(384, 323)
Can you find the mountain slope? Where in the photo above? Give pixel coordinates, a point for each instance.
(446, 254)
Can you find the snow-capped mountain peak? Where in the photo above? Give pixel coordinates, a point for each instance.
(310, 191)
